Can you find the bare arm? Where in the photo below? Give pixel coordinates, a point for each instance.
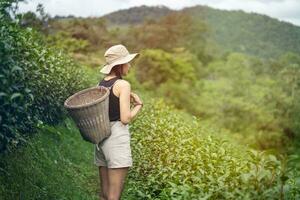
(125, 113)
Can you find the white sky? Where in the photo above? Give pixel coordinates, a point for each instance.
(285, 10)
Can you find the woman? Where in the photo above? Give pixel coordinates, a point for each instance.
(114, 155)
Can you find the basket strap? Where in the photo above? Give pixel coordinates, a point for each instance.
(113, 84)
(97, 147)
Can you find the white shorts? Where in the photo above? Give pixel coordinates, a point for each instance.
(115, 151)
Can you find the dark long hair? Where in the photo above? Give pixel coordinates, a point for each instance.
(118, 69)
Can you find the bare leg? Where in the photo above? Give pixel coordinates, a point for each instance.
(103, 173)
(116, 179)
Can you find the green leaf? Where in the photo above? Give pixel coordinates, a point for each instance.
(16, 68)
(2, 94)
(15, 95)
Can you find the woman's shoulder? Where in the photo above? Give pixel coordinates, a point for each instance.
(122, 83)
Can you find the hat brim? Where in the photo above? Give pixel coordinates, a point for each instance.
(106, 68)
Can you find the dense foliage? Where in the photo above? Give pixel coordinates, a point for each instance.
(243, 94)
(172, 75)
(176, 156)
(35, 81)
(250, 96)
(237, 31)
(253, 34)
(180, 157)
(235, 99)
(136, 15)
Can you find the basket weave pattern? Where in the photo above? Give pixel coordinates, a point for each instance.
(89, 110)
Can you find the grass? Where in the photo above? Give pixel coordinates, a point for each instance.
(56, 164)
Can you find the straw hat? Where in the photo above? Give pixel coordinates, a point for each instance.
(116, 55)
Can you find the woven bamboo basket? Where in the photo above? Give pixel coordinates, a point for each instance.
(89, 109)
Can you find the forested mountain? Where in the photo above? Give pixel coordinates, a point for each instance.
(136, 15)
(250, 33)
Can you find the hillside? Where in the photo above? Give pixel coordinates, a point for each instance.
(205, 163)
(224, 129)
(136, 15)
(251, 33)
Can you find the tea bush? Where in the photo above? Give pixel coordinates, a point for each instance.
(35, 81)
(178, 157)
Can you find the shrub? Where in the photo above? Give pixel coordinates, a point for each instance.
(35, 81)
(178, 157)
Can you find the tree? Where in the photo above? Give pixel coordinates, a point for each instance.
(39, 21)
(176, 29)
